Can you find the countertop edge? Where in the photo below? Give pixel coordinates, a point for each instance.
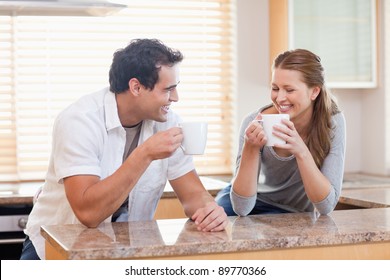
(301, 239)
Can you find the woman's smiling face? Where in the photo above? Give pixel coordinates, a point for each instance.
(291, 95)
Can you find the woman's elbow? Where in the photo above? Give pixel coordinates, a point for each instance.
(241, 212)
(325, 210)
(243, 209)
(324, 213)
(326, 206)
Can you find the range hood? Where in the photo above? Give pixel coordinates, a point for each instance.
(60, 7)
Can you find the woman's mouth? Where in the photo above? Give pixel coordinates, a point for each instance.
(284, 108)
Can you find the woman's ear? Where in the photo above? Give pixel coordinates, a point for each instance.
(316, 91)
(134, 86)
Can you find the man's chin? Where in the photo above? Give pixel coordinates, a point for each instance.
(161, 119)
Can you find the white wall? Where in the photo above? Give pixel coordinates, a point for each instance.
(253, 75)
(364, 109)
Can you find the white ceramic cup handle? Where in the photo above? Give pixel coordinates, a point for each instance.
(181, 145)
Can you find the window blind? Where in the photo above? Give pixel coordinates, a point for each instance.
(47, 62)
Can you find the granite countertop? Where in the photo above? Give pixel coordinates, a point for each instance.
(370, 197)
(179, 237)
(361, 180)
(365, 191)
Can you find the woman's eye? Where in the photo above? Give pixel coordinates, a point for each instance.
(275, 89)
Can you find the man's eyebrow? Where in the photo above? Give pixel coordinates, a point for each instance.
(172, 86)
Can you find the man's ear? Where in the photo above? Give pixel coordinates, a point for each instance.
(316, 91)
(135, 87)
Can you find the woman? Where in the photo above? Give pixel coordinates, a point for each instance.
(304, 174)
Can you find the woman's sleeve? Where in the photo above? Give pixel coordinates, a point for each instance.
(333, 166)
(242, 206)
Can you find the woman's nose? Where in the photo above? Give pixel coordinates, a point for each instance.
(281, 95)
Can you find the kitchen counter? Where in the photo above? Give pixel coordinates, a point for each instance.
(18, 193)
(361, 181)
(365, 191)
(372, 197)
(345, 234)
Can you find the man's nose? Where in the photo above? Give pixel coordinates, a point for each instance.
(174, 96)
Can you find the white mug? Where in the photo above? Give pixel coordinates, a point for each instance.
(268, 121)
(195, 137)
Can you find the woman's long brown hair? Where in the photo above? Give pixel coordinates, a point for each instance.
(319, 131)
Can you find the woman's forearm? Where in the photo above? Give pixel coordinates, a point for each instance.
(245, 181)
(317, 186)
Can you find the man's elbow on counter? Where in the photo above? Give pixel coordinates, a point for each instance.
(88, 221)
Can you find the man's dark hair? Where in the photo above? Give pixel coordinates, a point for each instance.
(141, 59)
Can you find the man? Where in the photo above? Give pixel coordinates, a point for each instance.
(114, 150)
